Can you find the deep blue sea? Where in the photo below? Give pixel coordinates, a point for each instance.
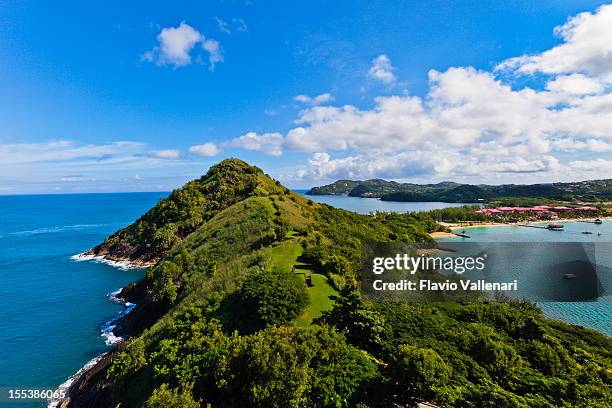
(52, 307)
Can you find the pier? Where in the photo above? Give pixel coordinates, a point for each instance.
(550, 227)
(597, 221)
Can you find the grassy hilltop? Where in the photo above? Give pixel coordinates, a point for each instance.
(225, 318)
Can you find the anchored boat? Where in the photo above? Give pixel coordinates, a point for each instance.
(555, 227)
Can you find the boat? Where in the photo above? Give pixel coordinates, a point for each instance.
(555, 227)
(598, 221)
(569, 276)
(587, 232)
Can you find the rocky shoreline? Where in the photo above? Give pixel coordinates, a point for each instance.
(89, 386)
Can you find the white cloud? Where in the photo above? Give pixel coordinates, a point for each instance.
(586, 48)
(237, 24)
(473, 124)
(575, 85)
(222, 25)
(67, 166)
(314, 100)
(600, 166)
(572, 145)
(169, 154)
(382, 70)
(66, 151)
(176, 45)
(215, 53)
(206, 149)
(269, 143)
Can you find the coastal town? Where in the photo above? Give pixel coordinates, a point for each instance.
(539, 213)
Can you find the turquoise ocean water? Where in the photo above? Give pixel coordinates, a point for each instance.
(52, 307)
(597, 315)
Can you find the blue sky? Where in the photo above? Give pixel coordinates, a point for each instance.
(114, 96)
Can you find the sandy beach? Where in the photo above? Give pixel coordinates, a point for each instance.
(475, 224)
(440, 234)
(502, 224)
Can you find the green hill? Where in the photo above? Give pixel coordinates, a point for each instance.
(224, 316)
(186, 209)
(589, 191)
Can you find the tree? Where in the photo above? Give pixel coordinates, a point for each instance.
(162, 281)
(164, 397)
(421, 368)
(275, 297)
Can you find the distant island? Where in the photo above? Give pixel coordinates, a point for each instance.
(252, 299)
(591, 191)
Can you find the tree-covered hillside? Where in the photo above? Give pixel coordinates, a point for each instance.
(258, 305)
(186, 209)
(591, 191)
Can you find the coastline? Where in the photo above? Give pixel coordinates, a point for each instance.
(475, 224)
(123, 264)
(441, 234)
(106, 329)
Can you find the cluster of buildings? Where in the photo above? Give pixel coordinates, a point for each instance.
(539, 211)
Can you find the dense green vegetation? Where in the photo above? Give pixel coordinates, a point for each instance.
(506, 194)
(239, 327)
(479, 354)
(457, 214)
(183, 211)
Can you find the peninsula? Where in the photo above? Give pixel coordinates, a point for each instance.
(252, 299)
(450, 192)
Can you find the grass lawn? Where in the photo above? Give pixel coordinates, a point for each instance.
(284, 255)
(319, 300)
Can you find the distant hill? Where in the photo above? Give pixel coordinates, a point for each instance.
(589, 191)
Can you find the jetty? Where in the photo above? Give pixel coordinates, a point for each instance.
(551, 227)
(597, 221)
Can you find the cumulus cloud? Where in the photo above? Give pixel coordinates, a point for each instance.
(215, 54)
(586, 48)
(206, 149)
(382, 70)
(472, 124)
(177, 44)
(169, 154)
(575, 85)
(314, 100)
(269, 143)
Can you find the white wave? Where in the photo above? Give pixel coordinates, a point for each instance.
(60, 228)
(114, 297)
(106, 330)
(123, 265)
(54, 402)
(110, 338)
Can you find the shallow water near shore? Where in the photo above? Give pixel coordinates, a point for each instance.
(597, 315)
(51, 307)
